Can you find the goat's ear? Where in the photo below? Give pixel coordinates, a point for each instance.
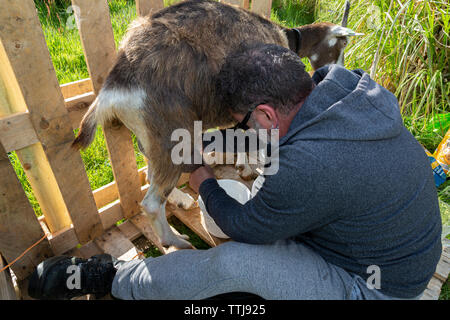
(294, 39)
(339, 31)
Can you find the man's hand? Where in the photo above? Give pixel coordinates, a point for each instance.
(200, 175)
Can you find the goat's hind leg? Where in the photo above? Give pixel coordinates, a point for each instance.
(154, 206)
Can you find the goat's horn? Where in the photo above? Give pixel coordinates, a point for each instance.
(345, 16)
(344, 32)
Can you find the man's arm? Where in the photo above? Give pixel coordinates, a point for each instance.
(286, 206)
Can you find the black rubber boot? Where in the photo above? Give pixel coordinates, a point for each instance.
(65, 277)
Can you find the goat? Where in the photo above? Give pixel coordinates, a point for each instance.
(163, 79)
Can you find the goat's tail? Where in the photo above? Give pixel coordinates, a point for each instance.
(88, 128)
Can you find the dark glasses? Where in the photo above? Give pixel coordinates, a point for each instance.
(243, 124)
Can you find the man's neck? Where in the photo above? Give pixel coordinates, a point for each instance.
(286, 120)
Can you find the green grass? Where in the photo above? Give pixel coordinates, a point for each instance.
(68, 59)
(405, 47)
(293, 13)
(406, 50)
(194, 239)
(445, 291)
(63, 39)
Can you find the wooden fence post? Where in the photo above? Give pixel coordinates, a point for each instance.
(241, 3)
(262, 7)
(32, 157)
(30, 79)
(95, 28)
(19, 226)
(146, 7)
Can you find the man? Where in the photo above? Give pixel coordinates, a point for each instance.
(352, 212)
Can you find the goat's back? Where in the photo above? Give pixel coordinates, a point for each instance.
(175, 54)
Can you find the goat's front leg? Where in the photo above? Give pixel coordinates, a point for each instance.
(155, 208)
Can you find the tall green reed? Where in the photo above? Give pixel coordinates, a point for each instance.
(406, 49)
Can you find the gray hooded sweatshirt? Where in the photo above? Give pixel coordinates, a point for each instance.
(353, 184)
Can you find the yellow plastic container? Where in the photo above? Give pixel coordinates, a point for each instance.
(438, 172)
(442, 153)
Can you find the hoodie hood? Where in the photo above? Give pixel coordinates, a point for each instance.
(346, 105)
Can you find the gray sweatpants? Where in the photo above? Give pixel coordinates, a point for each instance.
(283, 270)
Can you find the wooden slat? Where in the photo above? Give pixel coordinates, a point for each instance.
(7, 291)
(106, 194)
(90, 249)
(17, 132)
(116, 244)
(129, 230)
(19, 227)
(146, 7)
(76, 88)
(240, 3)
(443, 267)
(63, 240)
(440, 276)
(433, 290)
(193, 220)
(124, 166)
(262, 7)
(45, 188)
(109, 215)
(109, 193)
(24, 51)
(66, 239)
(77, 107)
(95, 28)
(112, 213)
(32, 157)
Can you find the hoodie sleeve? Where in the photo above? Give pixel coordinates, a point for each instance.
(286, 205)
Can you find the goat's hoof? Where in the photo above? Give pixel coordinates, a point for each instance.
(184, 236)
(179, 242)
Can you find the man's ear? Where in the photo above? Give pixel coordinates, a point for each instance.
(266, 116)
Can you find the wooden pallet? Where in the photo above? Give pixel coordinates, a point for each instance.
(125, 241)
(121, 241)
(37, 118)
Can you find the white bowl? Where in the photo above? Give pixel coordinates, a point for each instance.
(257, 184)
(235, 189)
